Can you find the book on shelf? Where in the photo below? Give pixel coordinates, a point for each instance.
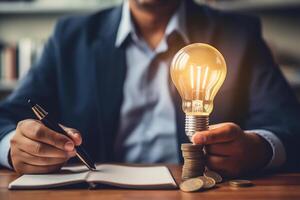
(17, 58)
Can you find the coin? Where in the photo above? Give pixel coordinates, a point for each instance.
(194, 165)
(191, 185)
(191, 147)
(240, 183)
(193, 154)
(213, 175)
(194, 162)
(208, 182)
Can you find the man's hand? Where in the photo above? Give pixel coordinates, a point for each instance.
(37, 149)
(231, 151)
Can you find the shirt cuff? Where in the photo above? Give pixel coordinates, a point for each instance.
(279, 154)
(4, 149)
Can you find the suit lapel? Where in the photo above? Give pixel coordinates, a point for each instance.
(200, 23)
(110, 70)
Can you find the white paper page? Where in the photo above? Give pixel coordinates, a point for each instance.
(124, 175)
(43, 180)
(75, 168)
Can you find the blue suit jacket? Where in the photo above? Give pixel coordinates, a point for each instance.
(80, 79)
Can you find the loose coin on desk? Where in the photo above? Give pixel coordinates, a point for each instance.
(208, 182)
(240, 183)
(213, 175)
(191, 185)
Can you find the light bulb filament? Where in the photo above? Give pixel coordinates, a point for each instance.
(205, 77)
(192, 76)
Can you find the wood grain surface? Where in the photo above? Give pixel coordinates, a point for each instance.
(279, 186)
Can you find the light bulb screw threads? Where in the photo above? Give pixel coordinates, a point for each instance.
(194, 123)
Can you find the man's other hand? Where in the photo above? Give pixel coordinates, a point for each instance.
(37, 149)
(232, 152)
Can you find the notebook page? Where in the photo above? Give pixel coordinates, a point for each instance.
(47, 180)
(132, 176)
(75, 168)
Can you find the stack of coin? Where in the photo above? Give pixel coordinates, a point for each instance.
(193, 160)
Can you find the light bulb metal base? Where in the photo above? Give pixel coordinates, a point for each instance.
(194, 123)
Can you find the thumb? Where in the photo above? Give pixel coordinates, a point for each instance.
(219, 133)
(73, 134)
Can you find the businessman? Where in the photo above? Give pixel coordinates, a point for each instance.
(106, 75)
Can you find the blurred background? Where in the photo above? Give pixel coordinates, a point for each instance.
(26, 25)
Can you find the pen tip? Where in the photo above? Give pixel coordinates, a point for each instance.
(93, 168)
(31, 103)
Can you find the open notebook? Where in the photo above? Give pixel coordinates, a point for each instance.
(136, 177)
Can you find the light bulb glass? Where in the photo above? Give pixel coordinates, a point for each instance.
(198, 71)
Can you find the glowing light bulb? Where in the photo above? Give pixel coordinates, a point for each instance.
(198, 71)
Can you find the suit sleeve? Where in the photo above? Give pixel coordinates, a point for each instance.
(272, 103)
(39, 84)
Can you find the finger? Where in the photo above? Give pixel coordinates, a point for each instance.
(39, 132)
(40, 161)
(214, 126)
(219, 164)
(73, 134)
(220, 149)
(25, 168)
(225, 133)
(42, 149)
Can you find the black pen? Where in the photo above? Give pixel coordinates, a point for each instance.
(44, 117)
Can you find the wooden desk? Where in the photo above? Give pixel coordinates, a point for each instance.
(279, 186)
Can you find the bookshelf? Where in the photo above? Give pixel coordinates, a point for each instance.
(27, 25)
(255, 5)
(281, 29)
(40, 8)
